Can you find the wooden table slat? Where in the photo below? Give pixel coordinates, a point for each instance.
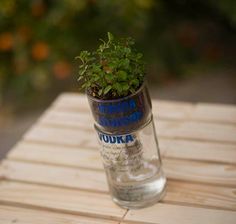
(54, 175)
(197, 131)
(60, 136)
(200, 194)
(59, 155)
(211, 173)
(11, 215)
(60, 199)
(172, 214)
(215, 113)
(197, 150)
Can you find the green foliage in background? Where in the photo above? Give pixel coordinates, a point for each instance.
(40, 38)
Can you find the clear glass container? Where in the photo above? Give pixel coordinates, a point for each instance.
(133, 167)
(129, 149)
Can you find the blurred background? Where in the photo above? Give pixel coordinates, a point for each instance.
(189, 47)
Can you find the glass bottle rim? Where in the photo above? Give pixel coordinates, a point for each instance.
(151, 120)
(141, 88)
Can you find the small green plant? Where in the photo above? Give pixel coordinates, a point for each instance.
(114, 70)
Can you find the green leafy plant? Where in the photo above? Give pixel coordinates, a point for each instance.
(114, 70)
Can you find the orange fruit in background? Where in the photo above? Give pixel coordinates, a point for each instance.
(40, 51)
(6, 41)
(62, 69)
(24, 33)
(38, 8)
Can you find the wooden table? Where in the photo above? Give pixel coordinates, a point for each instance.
(55, 174)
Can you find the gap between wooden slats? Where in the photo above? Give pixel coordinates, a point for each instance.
(174, 214)
(12, 214)
(221, 113)
(195, 171)
(60, 200)
(177, 191)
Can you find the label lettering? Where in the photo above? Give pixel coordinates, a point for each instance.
(115, 139)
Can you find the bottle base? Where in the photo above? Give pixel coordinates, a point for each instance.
(141, 204)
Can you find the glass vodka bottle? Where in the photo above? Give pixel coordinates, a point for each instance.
(129, 149)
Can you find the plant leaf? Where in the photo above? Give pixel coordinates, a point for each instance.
(81, 77)
(117, 86)
(100, 92)
(109, 77)
(122, 75)
(107, 89)
(125, 86)
(96, 77)
(110, 36)
(124, 63)
(134, 82)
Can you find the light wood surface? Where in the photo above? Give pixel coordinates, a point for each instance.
(19, 215)
(172, 214)
(55, 174)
